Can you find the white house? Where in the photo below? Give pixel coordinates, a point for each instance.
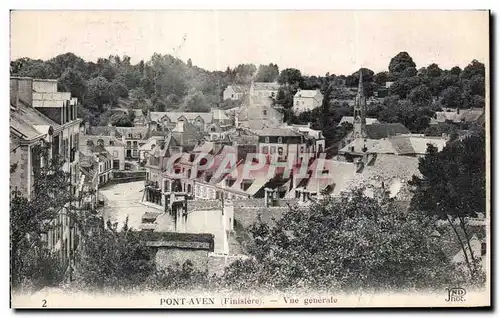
(233, 92)
(305, 100)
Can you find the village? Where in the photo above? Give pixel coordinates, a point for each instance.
(192, 184)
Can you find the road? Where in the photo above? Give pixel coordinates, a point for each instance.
(123, 200)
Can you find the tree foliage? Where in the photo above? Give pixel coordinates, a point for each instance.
(350, 243)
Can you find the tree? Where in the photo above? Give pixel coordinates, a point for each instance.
(113, 259)
(451, 97)
(290, 76)
(196, 103)
(474, 68)
(381, 78)
(99, 93)
(267, 73)
(453, 187)
(119, 89)
(72, 81)
(29, 218)
(420, 96)
(401, 62)
(403, 86)
(351, 243)
(433, 70)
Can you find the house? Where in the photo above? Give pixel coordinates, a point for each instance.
(167, 121)
(312, 134)
(96, 152)
(233, 92)
(40, 115)
(263, 91)
(114, 146)
(284, 143)
(133, 138)
(157, 161)
(306, 100)
(146, 149)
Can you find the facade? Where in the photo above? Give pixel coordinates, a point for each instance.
(42, 116)
(98, 154)
(114, 146)
(233, 92)
(306, 100)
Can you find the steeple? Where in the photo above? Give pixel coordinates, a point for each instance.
(360, 110)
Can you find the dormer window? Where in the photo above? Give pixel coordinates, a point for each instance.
(280, 140)
(264, 112)
(267, 139)
(111, 143)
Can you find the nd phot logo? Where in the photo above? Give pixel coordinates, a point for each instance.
(455, 294)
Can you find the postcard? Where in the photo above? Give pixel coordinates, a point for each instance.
(249, 159)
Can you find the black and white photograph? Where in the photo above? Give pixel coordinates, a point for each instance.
(249, 159)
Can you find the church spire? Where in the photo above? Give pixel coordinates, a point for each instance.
(360, 110)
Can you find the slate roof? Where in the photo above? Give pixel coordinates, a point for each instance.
(337, 174)
(394, 171)
(384, 130)
(350, 120)
(268, 131)
(29, 122)
(174, 116)
(307, 93)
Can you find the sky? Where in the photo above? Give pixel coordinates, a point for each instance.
(315, 42)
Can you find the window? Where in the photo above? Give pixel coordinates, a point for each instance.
(267, 139)
(129, 144)
(212, 129)
(297, 103)
(116, 164)
(135, 144)
(273, 149)
(111, 143)
(264, 112)
(100, 168)
(115, 154)
(265, 149)
(272, 94)
(100, 142)
(280, 140)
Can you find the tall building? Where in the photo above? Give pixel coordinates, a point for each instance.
(360, 110)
